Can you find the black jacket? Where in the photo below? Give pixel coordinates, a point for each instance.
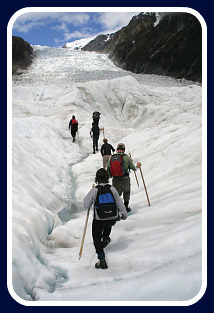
(106, 149)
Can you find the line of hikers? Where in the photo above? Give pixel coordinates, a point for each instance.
(105, 198)
(94, 132)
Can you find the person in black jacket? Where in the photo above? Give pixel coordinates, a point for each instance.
(95, 134)
(106, 152)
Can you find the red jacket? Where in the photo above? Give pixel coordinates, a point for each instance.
(72, 122)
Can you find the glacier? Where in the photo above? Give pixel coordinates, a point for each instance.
(157, 255)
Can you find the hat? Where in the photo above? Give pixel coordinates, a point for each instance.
(121, 146)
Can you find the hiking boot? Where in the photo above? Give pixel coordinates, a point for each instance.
(128, 209)
(106, 242)
(101, 264)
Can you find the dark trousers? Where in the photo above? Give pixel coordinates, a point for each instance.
(101, 230)
(95, 143)
(73, 134)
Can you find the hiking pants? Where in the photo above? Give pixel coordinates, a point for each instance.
(73, 133)
(122, 185)
(95, 143)
(105, 160)
(101, 230)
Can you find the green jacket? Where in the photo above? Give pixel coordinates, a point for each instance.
(127, 162)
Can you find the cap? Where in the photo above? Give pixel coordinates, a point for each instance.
(121, 146)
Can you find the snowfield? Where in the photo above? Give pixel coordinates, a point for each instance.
(155, 255)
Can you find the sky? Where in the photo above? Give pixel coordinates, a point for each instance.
(54, 29)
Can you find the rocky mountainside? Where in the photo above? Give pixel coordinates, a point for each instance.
(22, 53)
(171, 46)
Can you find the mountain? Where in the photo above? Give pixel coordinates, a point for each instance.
(167, 44)
(22, 54)
(101, 43)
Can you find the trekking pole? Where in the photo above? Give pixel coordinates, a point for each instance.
(83, 237)
(84, 232)
(145, 186)
(78, 132)
(135, 173)
(103, 133)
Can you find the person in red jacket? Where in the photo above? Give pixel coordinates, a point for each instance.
(73, 125)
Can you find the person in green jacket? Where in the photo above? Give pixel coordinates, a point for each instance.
(122, 184)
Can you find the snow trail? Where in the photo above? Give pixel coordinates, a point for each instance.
(155, 255)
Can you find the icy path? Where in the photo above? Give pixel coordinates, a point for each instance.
(155, 255)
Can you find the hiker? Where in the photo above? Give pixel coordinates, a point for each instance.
(95, 133)
(96, 117)
(73, 125)
(107, 207)
(106, 152)
(118, 167)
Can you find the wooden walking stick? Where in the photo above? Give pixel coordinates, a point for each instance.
(78, 131)
(83, 237)
(84, 232)
(145, 186)
(135, 173)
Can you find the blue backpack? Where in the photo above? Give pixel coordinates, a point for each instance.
(105, 204)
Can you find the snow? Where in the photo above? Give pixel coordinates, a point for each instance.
(78, 44)
(158, 19)
(156, 253)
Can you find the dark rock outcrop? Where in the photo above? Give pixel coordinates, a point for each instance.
(100, 43)
(22, 54)
(173, 47)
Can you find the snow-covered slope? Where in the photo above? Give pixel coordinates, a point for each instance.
(154, 255)
(78, 44)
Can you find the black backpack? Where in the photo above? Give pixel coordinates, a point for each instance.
(96, 115)
(105, 204)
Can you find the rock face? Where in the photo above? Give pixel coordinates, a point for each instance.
(101, 43)
(22, 54)
(172, 46)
